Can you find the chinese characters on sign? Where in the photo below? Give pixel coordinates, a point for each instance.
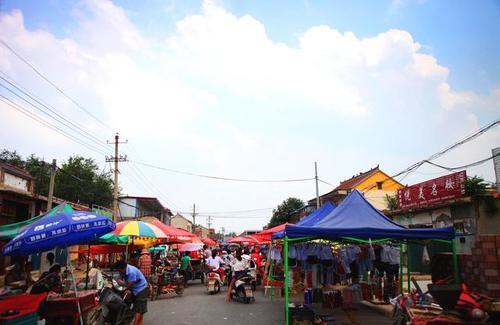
(432, 191)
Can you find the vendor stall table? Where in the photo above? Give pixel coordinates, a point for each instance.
(24, 309)
(62, 306)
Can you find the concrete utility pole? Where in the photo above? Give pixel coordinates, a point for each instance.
(116, 159)
(317, 188)
(50, 198)
(194, 218)
(208, 222)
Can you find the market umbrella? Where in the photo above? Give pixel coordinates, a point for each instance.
(138, 229)
(61, 229)
(209, 242)
(174, 234)
(190, 247)
(243, 240)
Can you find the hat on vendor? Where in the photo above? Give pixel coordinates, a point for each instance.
(144, 251)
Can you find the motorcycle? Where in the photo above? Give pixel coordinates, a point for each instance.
(165, 281)
(242, 290)
(116, 302)
(214, 282)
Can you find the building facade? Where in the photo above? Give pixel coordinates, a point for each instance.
(374, 184)
(181, 222)
(133, 207)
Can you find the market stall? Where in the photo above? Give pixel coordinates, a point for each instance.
(59, 229)
(353, 223)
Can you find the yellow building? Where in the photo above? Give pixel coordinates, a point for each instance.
(179, 221)
(374, 184)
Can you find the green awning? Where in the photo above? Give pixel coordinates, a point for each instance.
(10, 231)
(113, 239)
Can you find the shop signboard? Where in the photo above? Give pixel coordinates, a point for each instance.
(433, 191)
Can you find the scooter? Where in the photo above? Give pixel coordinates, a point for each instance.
(115, 301)
(214, 282)
(242, 290)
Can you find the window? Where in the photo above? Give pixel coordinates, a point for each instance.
(379, 185)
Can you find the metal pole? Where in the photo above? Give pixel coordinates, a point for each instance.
(287, 320)
(194, 218)
(88, 269)
(317, 188)
(401, 268)
(408, 265)
(50, 198)
(455, 261)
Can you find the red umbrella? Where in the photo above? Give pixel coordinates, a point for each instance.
(209, 242)
(266, 235)
(243, 240)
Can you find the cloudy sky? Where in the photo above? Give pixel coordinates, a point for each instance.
(254, 90)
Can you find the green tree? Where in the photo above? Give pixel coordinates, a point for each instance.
(80, 180)
(392, 202)
(283, 212)
(40, 170)
(475, 186)
(11, 157)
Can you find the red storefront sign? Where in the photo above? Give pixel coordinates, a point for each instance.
(433, 191)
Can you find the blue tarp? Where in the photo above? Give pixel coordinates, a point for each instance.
(311, 219)
(355, 217)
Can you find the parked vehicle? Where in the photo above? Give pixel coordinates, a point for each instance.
(115, 301)
(166, 281)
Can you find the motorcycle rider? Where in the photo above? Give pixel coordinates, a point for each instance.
(239, 266)
(215, 263)
(136, 282)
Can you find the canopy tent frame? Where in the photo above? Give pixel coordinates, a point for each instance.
(287, 241)
(356, 220)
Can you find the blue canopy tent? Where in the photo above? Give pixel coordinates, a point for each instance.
(355, 219)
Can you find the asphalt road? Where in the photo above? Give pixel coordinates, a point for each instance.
(196, 307)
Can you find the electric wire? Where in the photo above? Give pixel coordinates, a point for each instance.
(226, 178)
(25, 61)
(59, 118)
(38, 100)
(40, 120)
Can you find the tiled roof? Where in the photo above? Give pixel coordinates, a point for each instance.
(14, 170)
(356, 179)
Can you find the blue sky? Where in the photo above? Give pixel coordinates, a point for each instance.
(261, 89)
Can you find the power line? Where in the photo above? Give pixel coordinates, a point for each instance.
(25, 61)
(476, 163)
(438, 154)
(59, 118)
(33, 97)
(40, 120)
(226, 178)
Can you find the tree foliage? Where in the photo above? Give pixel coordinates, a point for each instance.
(283, 212)
(475, 186)
(392, 202)
(78, 180)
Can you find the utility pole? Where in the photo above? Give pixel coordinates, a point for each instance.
(317, 188)
(194, 218)
(208, 222)
(116, 159)
(53, 168)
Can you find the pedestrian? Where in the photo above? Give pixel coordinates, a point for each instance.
(185, 266)
(145, 263)
(136, 282)
(207, 252)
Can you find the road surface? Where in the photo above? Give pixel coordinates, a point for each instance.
(197, 308)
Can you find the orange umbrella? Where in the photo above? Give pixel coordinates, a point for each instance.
(243, 240)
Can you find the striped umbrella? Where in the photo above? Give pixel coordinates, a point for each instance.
(138, 229)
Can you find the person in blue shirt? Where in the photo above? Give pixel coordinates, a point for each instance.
(137, 283)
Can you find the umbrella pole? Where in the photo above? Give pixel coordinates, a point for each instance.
(88, 268)
(75, 288)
